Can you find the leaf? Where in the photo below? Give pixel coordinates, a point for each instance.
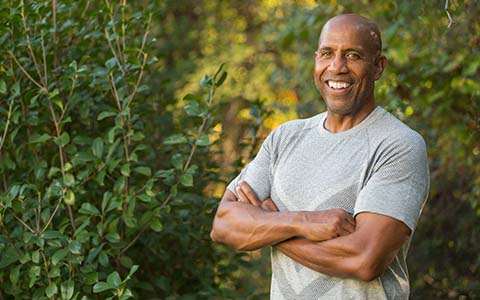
(97, 147)
(111, 63)
(186, 179)
(3, 87)
(175, 139)
(133, 269)
(89, 209)
(106, 198)
(144, 171)
(9, 256)
(203, 140)
(156, 225)
(114, 279)
(206, 81)
(193, 109)
(51, 290)
(177, 161)
(63, 139)
(69, 198)
(69, 180)
(59, 255)
(75, 247)
(67, 288)
(15, 274)
(105, 114)
(38, 139)
(221, 80)
(125, 170)
(102, 286)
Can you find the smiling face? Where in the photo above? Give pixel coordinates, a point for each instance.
(347, 64)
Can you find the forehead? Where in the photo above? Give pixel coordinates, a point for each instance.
(348, 35)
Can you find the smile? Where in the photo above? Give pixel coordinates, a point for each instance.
(336, 85)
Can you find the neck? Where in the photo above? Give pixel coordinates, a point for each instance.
(337, 122)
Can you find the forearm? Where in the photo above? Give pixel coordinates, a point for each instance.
(247, 227)
(336, 257)
(365, 254)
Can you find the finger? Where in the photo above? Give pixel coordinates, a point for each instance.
(349, 228)
(241, 195)
(349, 218)
(268, 204)
(249, 193)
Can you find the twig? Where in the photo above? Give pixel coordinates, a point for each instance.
(4, 136)
(53, 215)
(450, 20)
(27, 74)
(139, 79)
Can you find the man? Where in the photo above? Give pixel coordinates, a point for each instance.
(342, 191)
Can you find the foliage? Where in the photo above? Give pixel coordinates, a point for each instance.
(84, 174)
(110, 175)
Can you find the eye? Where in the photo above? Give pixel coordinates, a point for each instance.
(352, 56)
(323, 54)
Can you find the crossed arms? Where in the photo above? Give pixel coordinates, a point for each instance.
(328, 241)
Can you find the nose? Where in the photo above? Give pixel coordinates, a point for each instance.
(338, 64)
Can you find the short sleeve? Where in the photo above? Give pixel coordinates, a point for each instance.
(258, 173)
(399, 184)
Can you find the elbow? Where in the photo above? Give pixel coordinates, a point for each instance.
(369, 269)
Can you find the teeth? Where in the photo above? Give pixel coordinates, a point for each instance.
(338, 84)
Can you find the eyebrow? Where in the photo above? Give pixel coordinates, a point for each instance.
(355, 49)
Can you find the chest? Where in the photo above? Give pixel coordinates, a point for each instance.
(320, 175)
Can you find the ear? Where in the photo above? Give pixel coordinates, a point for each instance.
(380, 64)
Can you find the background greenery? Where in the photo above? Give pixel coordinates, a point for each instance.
(115, 146)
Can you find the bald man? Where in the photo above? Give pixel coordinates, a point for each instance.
(338, 195)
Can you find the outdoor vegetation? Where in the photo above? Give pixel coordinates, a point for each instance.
(122, 122)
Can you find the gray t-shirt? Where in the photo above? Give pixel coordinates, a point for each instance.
(378, 166)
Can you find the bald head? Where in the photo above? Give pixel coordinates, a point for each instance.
(361, 25)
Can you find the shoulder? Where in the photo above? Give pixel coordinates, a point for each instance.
(297, 126)
(391, 132)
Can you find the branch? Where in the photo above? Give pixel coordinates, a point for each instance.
(450, 20)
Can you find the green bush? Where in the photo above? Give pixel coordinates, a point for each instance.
(101, 184)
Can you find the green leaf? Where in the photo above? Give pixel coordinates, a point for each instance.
(106, 199)
(114, 279)
(15, 274)
(102, 286)
(193, 109)
(69, 180)
(53, 234)
(67, 288)
(9, 256)
(3, 87)
(186, 179)
(144, 171)
(105, 114)
(133, 269)
(33, 274)
(63, 139)
(156, 225)
(97, 147)
(111, 63)
(125, 170)
(38, 139)
(206, 81)
(36, 256)
(51, 290)
(222, 79)
(175, 139)
(69, 198)
(203, 140)
(89, 209)
(75, 247)
(59, 255)
(177, 161)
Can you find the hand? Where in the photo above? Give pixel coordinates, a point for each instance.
(247, 195)
(326, 224)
